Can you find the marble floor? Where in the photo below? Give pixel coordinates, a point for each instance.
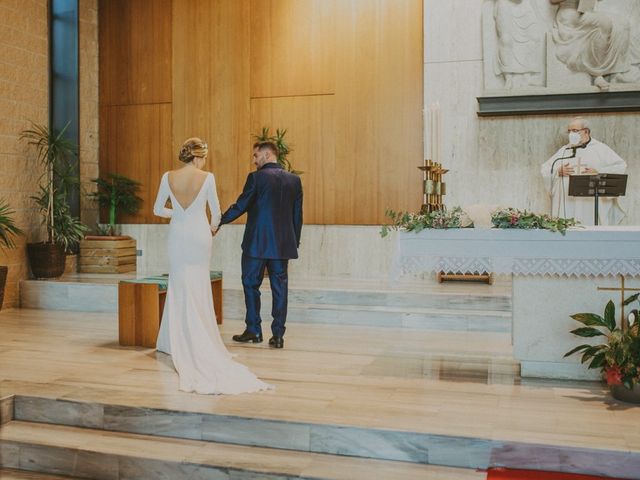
(380, 378)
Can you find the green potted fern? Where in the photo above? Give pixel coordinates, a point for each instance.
(64, 231)
(109, 252)
(8, 231)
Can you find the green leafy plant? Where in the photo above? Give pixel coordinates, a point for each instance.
(8, 228)
(116, 193)
(283, 147)
(513, 218)
(54, 152)
(69, 230)
(619, 357)
(416, 222)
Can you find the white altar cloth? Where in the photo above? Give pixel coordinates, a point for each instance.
(553, 277)
(582, 252)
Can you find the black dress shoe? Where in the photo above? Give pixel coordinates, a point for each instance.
(276, 342)
(247, 337)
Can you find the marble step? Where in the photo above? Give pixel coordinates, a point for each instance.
(100, 455)
(11, 474)
(428, 311)
(382, 316)
(325, 440)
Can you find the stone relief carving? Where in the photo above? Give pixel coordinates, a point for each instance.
(561, 46)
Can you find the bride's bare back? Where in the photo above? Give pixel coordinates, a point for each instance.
(185, 184)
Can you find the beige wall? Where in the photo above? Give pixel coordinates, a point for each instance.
(23, 98)
(88, 107)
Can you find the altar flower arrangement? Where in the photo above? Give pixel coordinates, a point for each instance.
(513, 218)
(619, 357)
(416, 222)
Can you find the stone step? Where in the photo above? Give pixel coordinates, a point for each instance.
(101, 455)
(291, 441)
(413, 310)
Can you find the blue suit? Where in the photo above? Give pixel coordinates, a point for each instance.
(272, 199)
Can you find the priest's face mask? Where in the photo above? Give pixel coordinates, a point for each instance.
(578, 133)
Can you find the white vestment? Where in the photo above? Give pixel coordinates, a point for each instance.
(595, 155)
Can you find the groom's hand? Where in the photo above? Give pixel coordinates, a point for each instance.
(214, 231)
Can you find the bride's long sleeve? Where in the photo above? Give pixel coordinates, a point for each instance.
(159, 208)
(214, 204)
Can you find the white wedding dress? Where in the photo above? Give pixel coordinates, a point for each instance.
(188, 331)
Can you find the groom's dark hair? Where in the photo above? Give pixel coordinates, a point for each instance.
(267, 146)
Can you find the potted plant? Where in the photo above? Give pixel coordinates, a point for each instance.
(618, 358)
(8, 231)
(64, 231)
(116, 193)
(108, 252)
(283, 148)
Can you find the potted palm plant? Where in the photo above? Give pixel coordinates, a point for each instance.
(64, 231)
(618, 358)
(8, 231)
(109, 252)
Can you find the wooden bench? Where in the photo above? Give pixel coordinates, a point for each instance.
(140, 306)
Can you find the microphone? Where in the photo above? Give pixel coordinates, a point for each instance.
(573, 155)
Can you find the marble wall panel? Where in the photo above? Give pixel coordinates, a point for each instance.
(325, 251)
(496, 161)
(452, 30)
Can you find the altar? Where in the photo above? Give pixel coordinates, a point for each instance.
(553, 276)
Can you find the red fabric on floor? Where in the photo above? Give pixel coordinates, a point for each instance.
(508, 474)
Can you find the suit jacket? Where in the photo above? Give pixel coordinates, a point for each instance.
(272, 198)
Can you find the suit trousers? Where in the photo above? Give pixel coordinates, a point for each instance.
(252, 276)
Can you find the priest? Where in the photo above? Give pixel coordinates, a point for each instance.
(583, 155)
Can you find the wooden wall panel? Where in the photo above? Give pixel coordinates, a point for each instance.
(138, 145)
(344, 76)
(293, 47)
(135, 51)
(311, 133)
(211, 87)
(379, 102)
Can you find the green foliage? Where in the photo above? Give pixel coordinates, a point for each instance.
(54, 152)
(513, 218)
(117, 193)
(69, 230)
(416, 222)
(283, 148)
(619, 357)
(8, 227)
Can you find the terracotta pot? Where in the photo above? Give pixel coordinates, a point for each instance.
(620, 392)
(47, 259)
(3, 283)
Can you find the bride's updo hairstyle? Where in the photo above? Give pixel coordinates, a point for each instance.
(192, 148)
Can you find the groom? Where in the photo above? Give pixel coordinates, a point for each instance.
(272, 197)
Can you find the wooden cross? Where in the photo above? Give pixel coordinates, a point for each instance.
(623, 320)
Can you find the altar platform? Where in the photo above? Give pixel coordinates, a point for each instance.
(350, 403)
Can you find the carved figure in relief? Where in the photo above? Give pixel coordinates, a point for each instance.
(596, 42)
(519, 54)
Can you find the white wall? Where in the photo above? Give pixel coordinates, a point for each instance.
(497, 160)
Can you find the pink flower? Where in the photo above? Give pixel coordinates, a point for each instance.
(514, 219)
(614, 375)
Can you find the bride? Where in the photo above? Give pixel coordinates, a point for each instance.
(188, 331)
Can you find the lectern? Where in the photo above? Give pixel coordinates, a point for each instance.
(596, 186)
